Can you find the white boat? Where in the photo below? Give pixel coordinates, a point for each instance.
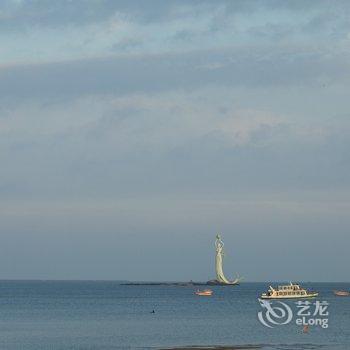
(205, 292)
(341, 293)
(289, 291)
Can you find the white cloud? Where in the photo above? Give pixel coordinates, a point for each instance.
(48, 36)
(243, 124)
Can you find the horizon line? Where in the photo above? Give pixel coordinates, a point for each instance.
(149, 281)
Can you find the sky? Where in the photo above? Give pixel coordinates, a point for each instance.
(132, 132)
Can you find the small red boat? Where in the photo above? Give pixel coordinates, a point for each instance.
(205, 292)
(341, 293)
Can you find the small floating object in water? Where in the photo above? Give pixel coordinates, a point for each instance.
(341, 293)
(205, 292)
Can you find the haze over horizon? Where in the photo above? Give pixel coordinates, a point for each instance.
(131, 133)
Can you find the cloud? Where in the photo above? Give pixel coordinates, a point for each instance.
(245, 125)
(140, 73)
(41, 31)
(170, 142)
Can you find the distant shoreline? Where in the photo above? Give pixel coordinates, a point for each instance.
(181, 284)
(155, 283)
(234, 347)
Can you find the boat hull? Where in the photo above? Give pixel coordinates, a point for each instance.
(308, 296)
(204, 294)
(340, 293)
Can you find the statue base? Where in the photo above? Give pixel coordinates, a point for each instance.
(217, 283)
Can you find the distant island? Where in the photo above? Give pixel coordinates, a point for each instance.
(181, 284)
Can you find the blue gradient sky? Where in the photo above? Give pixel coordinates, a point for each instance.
(132, 132)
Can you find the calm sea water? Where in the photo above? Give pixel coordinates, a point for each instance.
(105, 315)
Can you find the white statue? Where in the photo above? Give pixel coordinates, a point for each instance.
(220, 277)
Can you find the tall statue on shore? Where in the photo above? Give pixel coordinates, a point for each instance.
(220, 277)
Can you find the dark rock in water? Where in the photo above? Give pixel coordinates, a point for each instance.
(180, 284)
(217, 283)
(213, 283)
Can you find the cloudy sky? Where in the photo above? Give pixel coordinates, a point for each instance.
(132, 132)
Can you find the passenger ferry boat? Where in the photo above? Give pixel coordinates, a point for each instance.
(205, 292)
(290, 291)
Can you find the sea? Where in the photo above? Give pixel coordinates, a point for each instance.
(105, 315)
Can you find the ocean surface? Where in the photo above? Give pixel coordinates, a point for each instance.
(106, 315)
